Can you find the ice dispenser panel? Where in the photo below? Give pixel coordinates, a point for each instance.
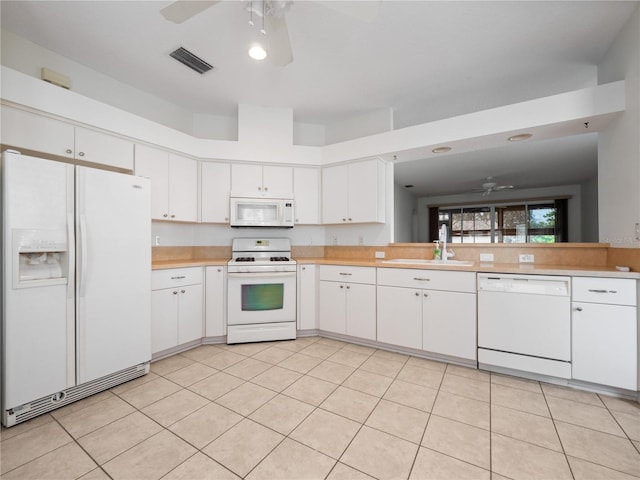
(41, 257)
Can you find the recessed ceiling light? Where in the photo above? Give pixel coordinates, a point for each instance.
(520, 137)
(441, 149)
(257, 52)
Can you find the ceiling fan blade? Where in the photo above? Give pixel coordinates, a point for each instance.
(367, 11)
(183, 10)
(278, 45)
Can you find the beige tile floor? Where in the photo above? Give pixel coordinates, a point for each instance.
(319, 408)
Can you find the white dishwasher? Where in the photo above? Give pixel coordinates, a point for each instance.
(524, 323)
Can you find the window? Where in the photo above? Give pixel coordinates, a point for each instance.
(542, 222)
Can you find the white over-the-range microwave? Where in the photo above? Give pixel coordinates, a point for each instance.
(261, 212)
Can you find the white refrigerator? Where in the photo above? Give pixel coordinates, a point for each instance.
(76, 283)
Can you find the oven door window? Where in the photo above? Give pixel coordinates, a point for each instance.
(269, 296)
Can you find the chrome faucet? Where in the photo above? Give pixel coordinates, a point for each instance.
(443, 240)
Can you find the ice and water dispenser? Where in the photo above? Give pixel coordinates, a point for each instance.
(42, 257)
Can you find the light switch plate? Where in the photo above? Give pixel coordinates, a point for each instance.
(379, 254)
(526, 258)
(486, 257)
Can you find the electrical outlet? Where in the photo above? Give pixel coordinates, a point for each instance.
(334, 239)
(157, 240)
(360, 240)
(486, 257)
(526, 258)
(379, 254)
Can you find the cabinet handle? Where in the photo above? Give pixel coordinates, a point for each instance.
(347, 274)
(178, 277)
(426, 294)
(417, 294)
(173, 216)
(226, 219)
(69, 150)
(578, 309)
(81, 154)
(266, 188)
(304, 268)
(182, 291)
(165, 215)
(420, 279)
(219, 269)
(175, 292)
(259, 189)
(341, 286)
(349, 218)
(595, 290)
(348, 287)
(344, 219)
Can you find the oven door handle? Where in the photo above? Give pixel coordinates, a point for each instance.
(262, 275)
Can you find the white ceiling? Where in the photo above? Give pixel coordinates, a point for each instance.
(425, 60)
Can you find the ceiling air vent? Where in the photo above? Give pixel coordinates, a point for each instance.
(187, 58)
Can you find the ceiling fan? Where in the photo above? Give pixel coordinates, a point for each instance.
(273, 19)
(490, 186)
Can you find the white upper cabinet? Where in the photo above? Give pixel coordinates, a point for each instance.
(215, 186)
(306, 194)
(21, 129)
(174, 183)
(249, 180)
(354, 193)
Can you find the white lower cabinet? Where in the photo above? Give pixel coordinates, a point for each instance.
(215, 301)
(449, 323)
(605, 332)
(439, 319)
(400, 316)
(176, 307)
(307, 297)
(348, 301)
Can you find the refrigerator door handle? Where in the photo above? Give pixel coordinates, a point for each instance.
(82, 258)
(70, 257)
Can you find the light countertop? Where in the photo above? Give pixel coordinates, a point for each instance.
(485, 267)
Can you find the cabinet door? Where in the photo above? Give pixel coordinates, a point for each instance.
(307, 297)
(190, 313)
(164, 319)
(277, 182)
(27, 130)
(334, 194)
(183, 189)
(400, 316)
(449, 323)
(604, 344)
(215, 184)
(332, 307)
(105, 149)
(154, 164)
(306, 193)
(215, 302)
(361, 310)
(246, 179)
(364, 194)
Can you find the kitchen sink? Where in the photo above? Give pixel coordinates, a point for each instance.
(419, 261)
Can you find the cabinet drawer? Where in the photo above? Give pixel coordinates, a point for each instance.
(175, 277)
(616, 291)
(337, 273)
(428, 279)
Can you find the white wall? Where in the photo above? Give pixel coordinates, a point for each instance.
(28, 58)
(369, 123)
(405, 215)
(619, 145)
(573, 205)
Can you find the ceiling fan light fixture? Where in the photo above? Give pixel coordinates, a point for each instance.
(520, 137)
(441, 150)
(257, 52)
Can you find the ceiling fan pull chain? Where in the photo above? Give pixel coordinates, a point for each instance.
(264, 14)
